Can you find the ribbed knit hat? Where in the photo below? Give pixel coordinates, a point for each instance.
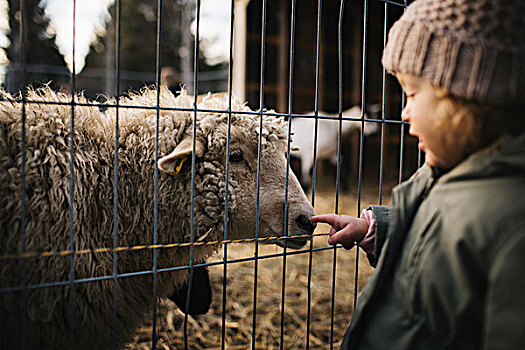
(474, 49)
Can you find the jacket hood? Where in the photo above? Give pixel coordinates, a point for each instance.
(505, 157)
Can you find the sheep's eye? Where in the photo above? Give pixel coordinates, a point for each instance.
(236, 156)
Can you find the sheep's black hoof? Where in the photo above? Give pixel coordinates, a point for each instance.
(200, 298)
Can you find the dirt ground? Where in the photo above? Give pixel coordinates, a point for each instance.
(316, 308)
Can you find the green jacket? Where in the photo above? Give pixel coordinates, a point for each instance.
(451, 272)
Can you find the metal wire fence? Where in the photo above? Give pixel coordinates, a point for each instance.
(25, 253)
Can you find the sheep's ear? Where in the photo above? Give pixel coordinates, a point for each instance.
(172, 163)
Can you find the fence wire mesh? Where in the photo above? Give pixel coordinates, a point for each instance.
(286, 297)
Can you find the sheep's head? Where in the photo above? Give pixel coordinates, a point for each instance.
(247, 201)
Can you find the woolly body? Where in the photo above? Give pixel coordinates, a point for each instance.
(48, 201)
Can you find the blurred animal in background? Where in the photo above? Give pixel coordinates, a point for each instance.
(328, 130)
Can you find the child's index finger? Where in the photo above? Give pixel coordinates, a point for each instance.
(326, 218)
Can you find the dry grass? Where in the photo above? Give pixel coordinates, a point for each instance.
(301, 296)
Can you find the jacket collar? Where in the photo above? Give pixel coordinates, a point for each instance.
(406, 198)
(504, 157)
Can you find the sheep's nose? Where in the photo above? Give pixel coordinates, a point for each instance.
(305, 223)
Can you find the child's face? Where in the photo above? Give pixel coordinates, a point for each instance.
(422, 102)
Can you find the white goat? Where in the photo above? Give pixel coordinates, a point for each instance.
(303, 129)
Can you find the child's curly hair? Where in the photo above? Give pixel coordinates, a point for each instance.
(470, 125)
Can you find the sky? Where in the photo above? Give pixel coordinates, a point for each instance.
(4, 26)
(215, 30)
(91, 16)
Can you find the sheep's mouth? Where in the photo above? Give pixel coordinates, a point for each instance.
(294, 243)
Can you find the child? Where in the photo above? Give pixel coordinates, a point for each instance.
(450, 253)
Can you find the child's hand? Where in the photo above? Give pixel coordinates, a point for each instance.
(346, 230)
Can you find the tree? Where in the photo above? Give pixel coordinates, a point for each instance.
(138, 46)
(40, 57)
(138, 49)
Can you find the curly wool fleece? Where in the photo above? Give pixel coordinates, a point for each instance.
(48, 201)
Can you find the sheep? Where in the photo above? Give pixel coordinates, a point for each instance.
(302, 145)
(47, 218)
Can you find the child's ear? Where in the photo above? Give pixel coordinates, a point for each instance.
(173, 161)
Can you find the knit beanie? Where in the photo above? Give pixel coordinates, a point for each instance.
(474, 49)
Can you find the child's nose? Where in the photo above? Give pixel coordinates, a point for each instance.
(405, 114)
